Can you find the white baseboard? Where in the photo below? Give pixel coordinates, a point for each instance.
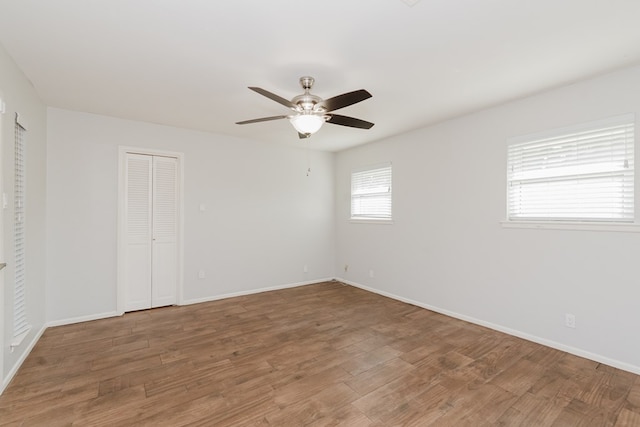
(80, 319)
(98, 316)
(513, 332)
(21, 360)
(253, 291)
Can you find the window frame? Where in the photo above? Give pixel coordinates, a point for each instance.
(371, 219)
(558, 222)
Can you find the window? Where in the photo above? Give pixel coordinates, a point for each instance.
(584, 173)
(20, 325)
(371, 193)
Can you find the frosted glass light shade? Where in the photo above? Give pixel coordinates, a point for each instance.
(307, 123)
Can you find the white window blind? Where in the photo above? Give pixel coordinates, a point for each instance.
(371, 193)
(585, 173)
(20, 324)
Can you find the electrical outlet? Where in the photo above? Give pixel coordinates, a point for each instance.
(305, 269)
(569, 320)
(346, 268)
(371, 274)
(201, 274)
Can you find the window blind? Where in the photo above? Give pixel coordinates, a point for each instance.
(20, 324)
(582, 174)
(371, 193)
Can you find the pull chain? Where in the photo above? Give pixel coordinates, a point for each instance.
(308, 158)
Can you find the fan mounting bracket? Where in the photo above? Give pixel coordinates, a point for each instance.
(307, 82)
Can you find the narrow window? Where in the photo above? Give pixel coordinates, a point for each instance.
(371, 193)
(20, 324)
(584, 173)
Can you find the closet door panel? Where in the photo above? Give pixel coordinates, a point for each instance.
(138, 204)
(165, 224)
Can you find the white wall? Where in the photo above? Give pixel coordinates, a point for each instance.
(19, 96)
(447, 249)
(264, 218)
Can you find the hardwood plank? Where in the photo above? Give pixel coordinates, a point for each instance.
(368, 360)
(313, 355)
(346, 416)
(398, 393)
(628, 418)
(633, 398)
(533, 409)
(371, 379)
(309, 386)
(319, 406)
(606, 390)
(581, 413)
(424, 409)
(480, 406)
(519, 377)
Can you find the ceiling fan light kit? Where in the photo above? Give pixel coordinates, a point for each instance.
(311, 111)
(307, 124)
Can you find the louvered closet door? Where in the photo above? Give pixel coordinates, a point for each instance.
(164, 246)
(138, 203)
(151, 234)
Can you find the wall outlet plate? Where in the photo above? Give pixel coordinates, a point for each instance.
(569, 320)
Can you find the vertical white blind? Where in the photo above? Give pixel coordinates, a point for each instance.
(371, 193)
(20, 324)
(581, 174)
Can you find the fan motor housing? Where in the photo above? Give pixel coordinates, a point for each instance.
(306, 101)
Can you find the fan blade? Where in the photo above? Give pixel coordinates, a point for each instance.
(274, 97)
(337, 119)
(345, 99)
(262, 119)
(303, 135)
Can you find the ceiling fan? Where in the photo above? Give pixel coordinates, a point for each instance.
(310, 112)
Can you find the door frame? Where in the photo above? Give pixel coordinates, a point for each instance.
(121, 245)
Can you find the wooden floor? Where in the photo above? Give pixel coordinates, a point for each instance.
(318, 355)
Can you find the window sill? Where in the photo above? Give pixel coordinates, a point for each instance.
(371, 221)
(574, 225)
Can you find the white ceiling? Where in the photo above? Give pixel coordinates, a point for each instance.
(188, 63)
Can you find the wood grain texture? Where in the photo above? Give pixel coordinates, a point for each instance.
(319, 355)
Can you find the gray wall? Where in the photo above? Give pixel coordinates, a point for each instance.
(265, 219)
(19, 96)
(448, 251)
